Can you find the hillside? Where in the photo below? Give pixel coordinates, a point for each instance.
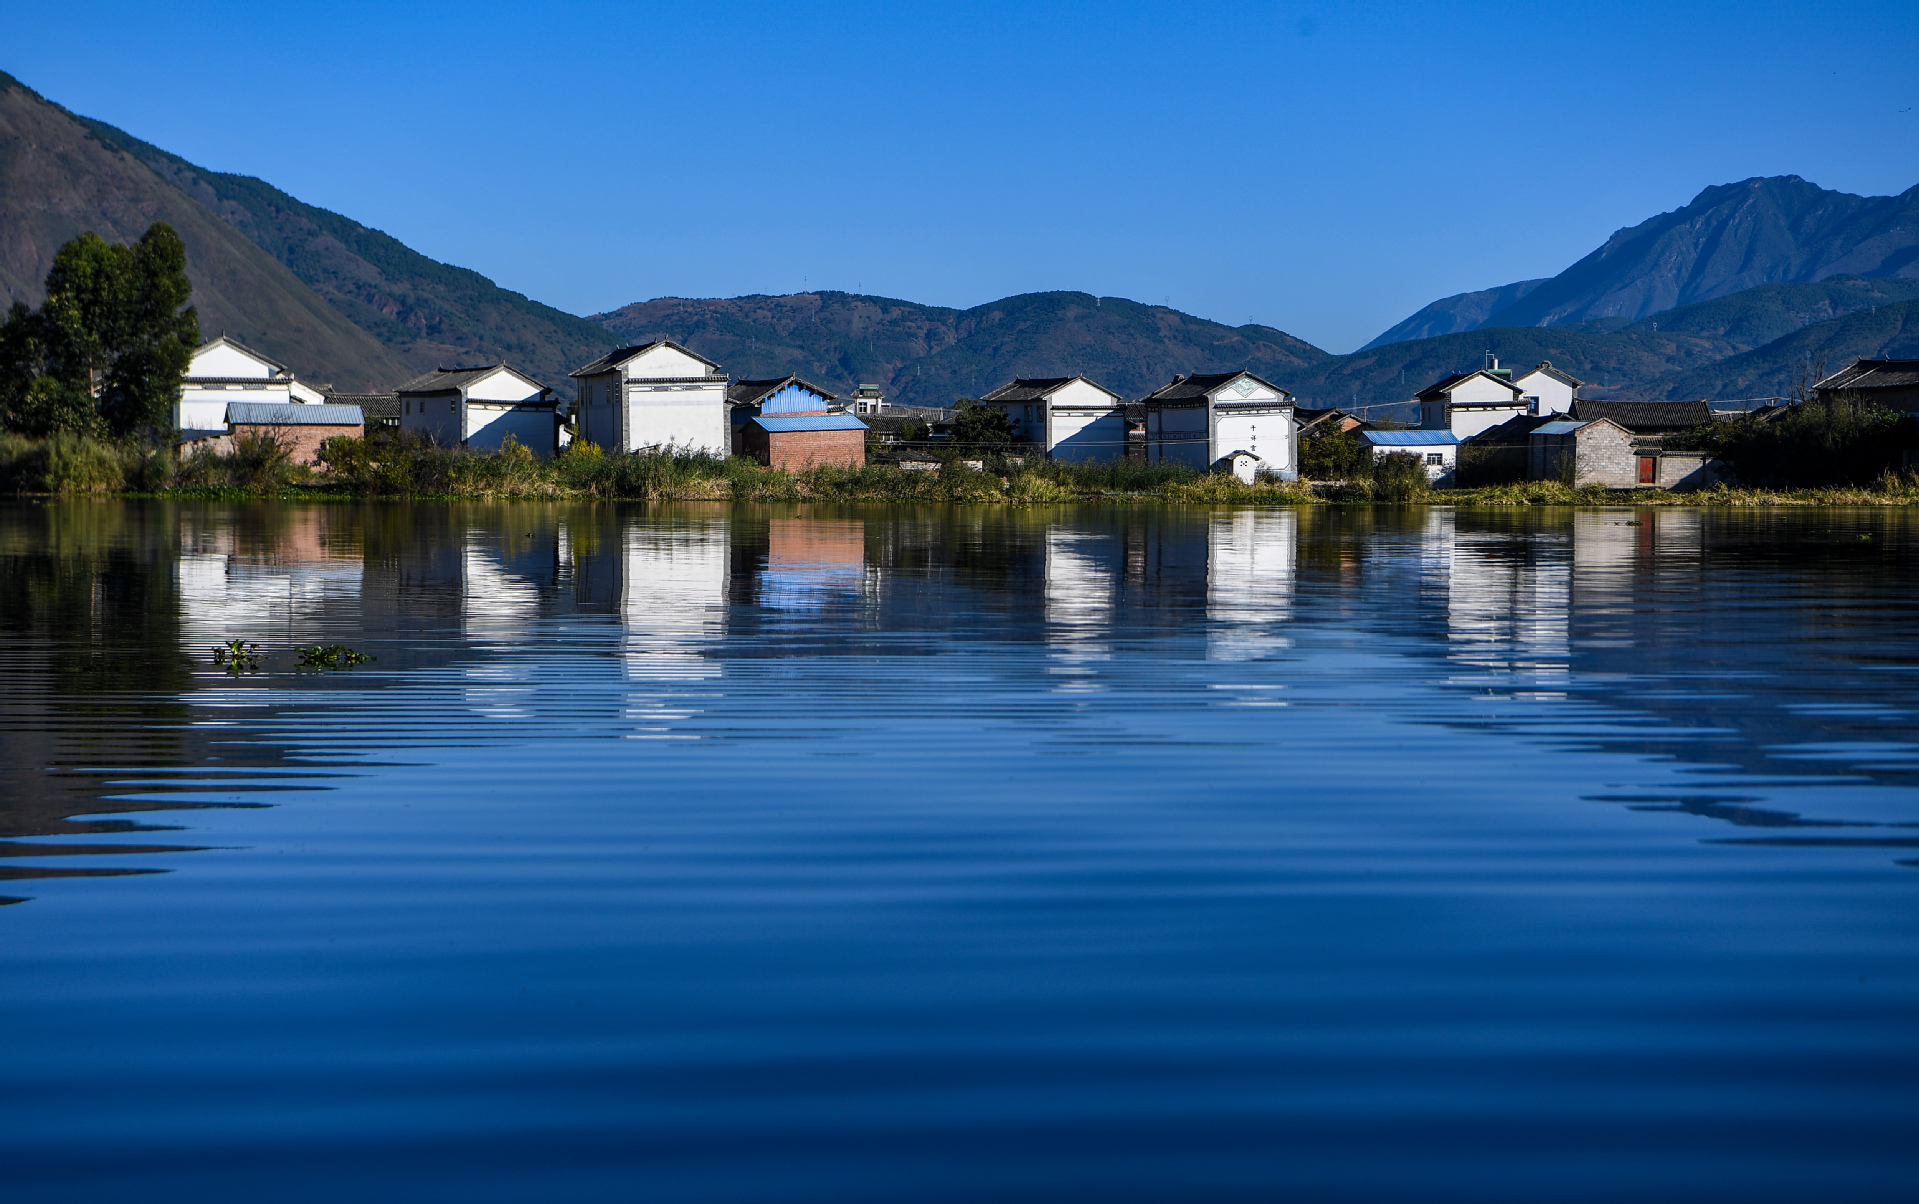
(930, 355)
(1890, 331)
(1731, 237)
(1461, 311)
(57, 181)
(426, 312)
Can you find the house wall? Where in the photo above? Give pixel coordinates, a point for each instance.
(1179, 436)
(1269, 434)
(489, 424)
(302, 441)
(1480, 388)
(1469, 422)
(1555, 396)
(436, 415)
(224, 359)
(1605, 456)
(1084, 422)
(503, 386)
(597, 414)
(687, 416)
(662, 361)
(792, 399)
(1448, 454)
(797, 451)
(1686, 470)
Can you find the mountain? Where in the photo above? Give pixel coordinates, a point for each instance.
(57, 180)
(1461, 311)
(426, 312)
(929, 355)
(1889, 331)
(1731, 237)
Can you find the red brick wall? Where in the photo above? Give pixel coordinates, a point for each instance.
(797, 451)
(302, 442)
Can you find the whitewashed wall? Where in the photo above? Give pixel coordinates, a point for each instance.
(1268, 436)
(691, 417)
(657, 362)
(1467, 423)
(1555, 396)
(224, 359)
(488, 427)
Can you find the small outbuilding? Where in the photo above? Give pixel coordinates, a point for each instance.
(748, 399)
(1073, 418)
(1438, 451)
(479, 407)
(796, 442)
(299, 428)
(1893, 384)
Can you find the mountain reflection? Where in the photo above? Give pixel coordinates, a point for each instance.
(1678, 633)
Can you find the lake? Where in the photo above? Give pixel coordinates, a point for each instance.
(728, 853)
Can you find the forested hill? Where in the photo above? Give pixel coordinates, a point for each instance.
(930, 355)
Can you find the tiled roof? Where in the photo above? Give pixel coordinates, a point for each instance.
(1028, 388)
(619, 355)
(373, 405)
(1639, 416)
(1198, 385)
(1444, 387)
(1558, 427)
(747, 392)
(451, 380)
(1564, 378)
(1874, 374)
(1513, 430)
(1409, 438)
(268, 413)
(788, 423)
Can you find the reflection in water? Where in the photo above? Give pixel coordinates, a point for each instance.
(1169, 852)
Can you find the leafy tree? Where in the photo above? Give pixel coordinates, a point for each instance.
(982, 425)
(1331, 454)
(106, 350)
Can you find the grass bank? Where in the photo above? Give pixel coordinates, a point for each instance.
(353, 468)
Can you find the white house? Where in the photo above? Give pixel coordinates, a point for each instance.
(478, 407)
(1547, 389)
(1467, 403)
(654, 395)
(1438, 451)
(224, 370)
(1232, 420)
(1073, 418)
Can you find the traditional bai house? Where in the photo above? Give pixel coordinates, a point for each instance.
(223, 370)
(1228, 420)
(1893, 384)
(1467, 403)
(1546, 389)
(786, 436)
(1073, 418)
(748, 399)
(652, 396)
(1438, 451)
(479, 407)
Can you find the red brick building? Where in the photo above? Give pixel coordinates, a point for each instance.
(797, 442)
(301, 429)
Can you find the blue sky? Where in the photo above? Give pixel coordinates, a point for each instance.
(1326, 168)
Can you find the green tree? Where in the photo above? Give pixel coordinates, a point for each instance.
(982, 425)
(106, 350)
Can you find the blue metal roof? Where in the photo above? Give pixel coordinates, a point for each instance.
(280, 413)
(1558, 428)
(809, 422)
(1408, 438)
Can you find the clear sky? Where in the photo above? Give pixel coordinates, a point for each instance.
(1323, 167)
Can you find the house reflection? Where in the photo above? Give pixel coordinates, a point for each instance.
(810, 562)
(1252, 557)
(272, 579)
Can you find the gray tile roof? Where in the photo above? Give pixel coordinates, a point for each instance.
(619, 355)
(1874, 374)
(1564, 378)
(1445, 387)
(1640, 417)
(452, 380)
(373, 405)
(1198, 385)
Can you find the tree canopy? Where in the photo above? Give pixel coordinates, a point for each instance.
(982, 424)
(107, 349)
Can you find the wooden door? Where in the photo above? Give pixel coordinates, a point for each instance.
(1648, 470)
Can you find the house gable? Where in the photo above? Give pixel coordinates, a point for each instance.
(222, 358)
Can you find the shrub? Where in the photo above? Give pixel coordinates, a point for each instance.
(1334, 455)
(1400, 477)
(1825, 442)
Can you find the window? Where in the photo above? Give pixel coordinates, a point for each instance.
(1436, 459)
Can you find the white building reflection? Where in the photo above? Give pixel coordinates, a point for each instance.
(290, 585)
(1081, 592)
(1251, 559)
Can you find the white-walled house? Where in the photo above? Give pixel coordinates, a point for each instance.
(1230, 417)
(478, 407)
(1548, 390)
(1467, 403)
(1438, 451)
(1071, 417)
(654, 395)
(224, 370)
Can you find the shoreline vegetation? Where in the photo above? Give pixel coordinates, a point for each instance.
(68, 464)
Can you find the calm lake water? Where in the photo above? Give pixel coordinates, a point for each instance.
(922, 854)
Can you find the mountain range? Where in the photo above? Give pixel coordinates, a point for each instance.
(1736, 294)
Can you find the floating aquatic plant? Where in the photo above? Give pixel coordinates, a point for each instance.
(331, 656)
(237, 655)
